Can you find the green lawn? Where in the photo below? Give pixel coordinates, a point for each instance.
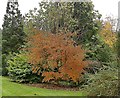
(15, 89)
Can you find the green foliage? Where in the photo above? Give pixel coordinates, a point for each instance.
(101, 55)
(19, 70)
(69, 17)
(5, 58)
(51, 17)
(100, 52)
(0, 38)
(88, 20)
(118, 46)
(117, 49)
(103, 83)
(12, 33)
(0, 52)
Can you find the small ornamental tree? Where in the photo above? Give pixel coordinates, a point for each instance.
(108, 35)
(55, 57)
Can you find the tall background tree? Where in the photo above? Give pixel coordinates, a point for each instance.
(88, 20)
(12, 33)
(77, 17)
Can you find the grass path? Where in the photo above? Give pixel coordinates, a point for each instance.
(15, 89)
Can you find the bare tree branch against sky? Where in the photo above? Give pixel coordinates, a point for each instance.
(105, 7)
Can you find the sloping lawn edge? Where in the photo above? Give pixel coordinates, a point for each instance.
(14, 89)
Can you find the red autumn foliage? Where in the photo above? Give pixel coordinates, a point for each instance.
(57, 56)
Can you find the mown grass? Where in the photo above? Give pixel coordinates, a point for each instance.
(14, 89)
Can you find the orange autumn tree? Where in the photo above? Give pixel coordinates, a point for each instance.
(56, 55)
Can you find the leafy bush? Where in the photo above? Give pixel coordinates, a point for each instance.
(19, 70)
(99, 52)
(4, 64)
(103, 83)
(56, 55)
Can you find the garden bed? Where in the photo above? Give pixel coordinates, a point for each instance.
(53, 86)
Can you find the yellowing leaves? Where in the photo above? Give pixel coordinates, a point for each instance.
(108, 35)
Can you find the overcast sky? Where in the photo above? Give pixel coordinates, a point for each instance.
(105, 7)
